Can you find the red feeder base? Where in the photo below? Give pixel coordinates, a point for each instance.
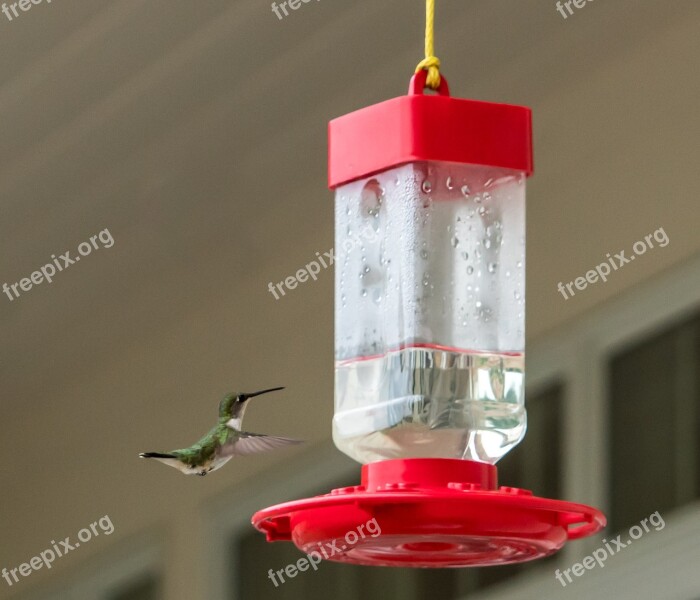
(428, 513)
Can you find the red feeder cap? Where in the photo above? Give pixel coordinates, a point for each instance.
(417, 127)
(428, 513)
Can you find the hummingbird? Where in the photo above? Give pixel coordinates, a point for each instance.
(224, 441)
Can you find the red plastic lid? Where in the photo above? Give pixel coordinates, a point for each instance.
(420, 127)
(428, 513)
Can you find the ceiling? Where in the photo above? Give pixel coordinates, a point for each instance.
(196, 134)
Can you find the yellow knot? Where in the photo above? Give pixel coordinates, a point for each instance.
(432, 65)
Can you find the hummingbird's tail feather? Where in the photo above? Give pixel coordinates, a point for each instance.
(156, 455)
(253, 443)
(172, 460)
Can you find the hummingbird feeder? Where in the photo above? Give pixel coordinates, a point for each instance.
(430, 338)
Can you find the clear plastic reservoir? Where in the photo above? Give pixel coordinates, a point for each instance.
(430, 313)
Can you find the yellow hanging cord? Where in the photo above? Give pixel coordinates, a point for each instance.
(430, 62)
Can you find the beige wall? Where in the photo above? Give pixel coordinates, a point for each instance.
(197, 136)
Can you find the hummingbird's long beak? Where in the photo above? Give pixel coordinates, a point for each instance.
(247, 396)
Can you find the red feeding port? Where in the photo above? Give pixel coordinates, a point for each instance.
(429, 513)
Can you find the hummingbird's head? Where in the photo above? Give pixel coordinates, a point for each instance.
(227, 404)
(233, 405)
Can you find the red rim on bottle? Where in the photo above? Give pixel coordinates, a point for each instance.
(420, 127)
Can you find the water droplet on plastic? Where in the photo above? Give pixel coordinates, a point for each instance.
(492, 267)
(487, 197)
(470, 270)
(364, 292)
(484, 314)
(455, 241)
(465, 255)
(424, 254)
(426, 280)
(487, 243)
(466, 191)
(427, 187)
(477, 198)
(519, 264)
(449, 183)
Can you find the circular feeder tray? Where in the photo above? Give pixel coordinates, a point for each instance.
(428, 513)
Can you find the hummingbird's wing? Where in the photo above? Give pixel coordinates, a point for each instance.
(253, 443)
